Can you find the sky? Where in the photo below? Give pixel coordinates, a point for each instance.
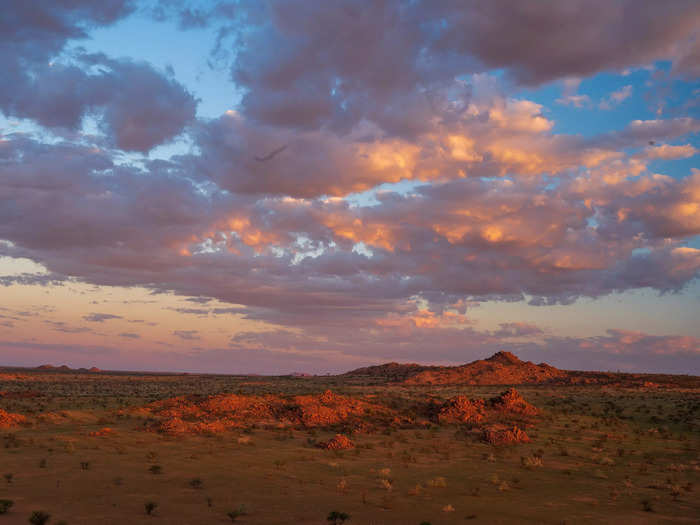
(286, 186)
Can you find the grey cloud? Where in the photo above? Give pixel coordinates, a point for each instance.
(306, 65)
(187, 335)
(100, 317)
(137, 106)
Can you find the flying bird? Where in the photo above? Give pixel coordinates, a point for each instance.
(272, 154)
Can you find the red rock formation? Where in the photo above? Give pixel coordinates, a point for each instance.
(391, 371)
(512, 402)
(22, 394)
(339, 442)
(218, 413)
(8, 419)
(106, 431)
(502, 368)
(460, 409)
(499, 436)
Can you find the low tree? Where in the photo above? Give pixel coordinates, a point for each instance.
(150, 507)
(5, 505)
(336, 518)
(39, 517)
(237, 513)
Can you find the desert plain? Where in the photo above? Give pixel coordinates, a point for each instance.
(498, 440)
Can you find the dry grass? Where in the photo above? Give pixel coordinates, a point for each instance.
(402, 472)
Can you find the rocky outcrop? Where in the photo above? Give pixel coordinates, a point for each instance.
(512, 403)
(460, 409)
(500, 436)
(215, 414)
(9, 420)
(338, 442)
(103, 432)
(503, 368)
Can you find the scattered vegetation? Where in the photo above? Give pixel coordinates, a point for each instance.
(39, 517)
(150, 507)
(233, 515)
(614, 446)
(337, 518)
(5, 505)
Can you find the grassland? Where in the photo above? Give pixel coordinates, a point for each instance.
(597, 454)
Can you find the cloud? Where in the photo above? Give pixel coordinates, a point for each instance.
(621, 94)
(508, 330)
(616, 97)
(32, 279)
(198, 300)
(100, 318)
(469, 192)
(61, 326)
(670, 152)
(136, 106)
(70, 208)
(577, 101)
(299, 70)
(613, 350)
(187, 335)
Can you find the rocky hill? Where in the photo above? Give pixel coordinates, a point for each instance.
(392, 371)
(501, 368)
(505, 368)
(66, 368)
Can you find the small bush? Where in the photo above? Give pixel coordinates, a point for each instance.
(438, 482)
(647, 505)
(335, 517)
(150, 507)
(5, 505)
(8, 477)
(196, 483)
(530, 462)
(39, 517)
(237, 513)
(155, 469)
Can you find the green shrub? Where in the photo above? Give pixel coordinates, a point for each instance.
(39, 517)
(335, 517)
(196, 483)
(5, 505)
(237, 513)
(150, 507)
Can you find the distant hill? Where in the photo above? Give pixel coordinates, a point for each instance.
(392, 371)
(52, 367)
(505, 368)
(499, 369)
(66, 368)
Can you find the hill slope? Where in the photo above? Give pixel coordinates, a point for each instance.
(499, 369)
(504, 368)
